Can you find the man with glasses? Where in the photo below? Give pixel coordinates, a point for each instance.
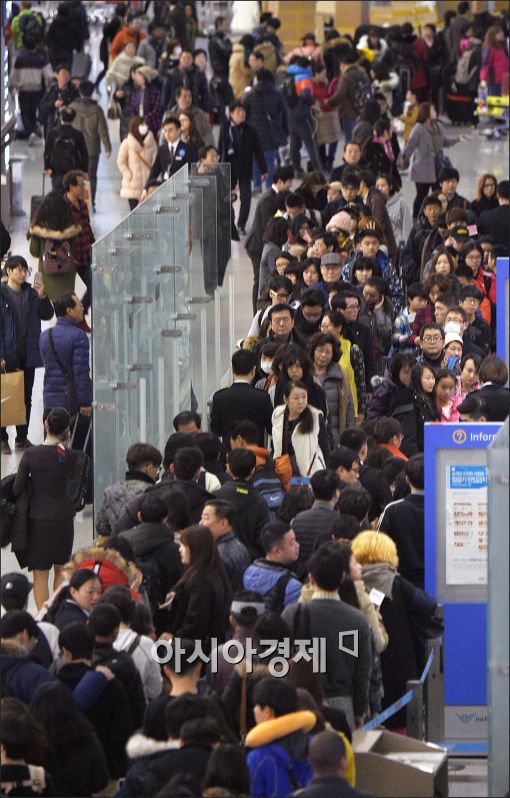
(344, 462)
(431, 343)
(280, 293)
(281, 328)
(477, 331)
(23, 308)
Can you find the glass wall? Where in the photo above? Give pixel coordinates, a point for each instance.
(498, 613)
(156, 295)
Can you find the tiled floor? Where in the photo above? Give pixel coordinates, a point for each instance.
(471, 159)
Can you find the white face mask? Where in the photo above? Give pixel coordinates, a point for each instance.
(266, 366)
(453, 327)
(177, 52)
(143, 130)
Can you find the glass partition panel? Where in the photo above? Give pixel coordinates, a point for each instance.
(140, 339)
(498, 613)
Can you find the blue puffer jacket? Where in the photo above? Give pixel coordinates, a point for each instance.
(72, 347)
(37, 309)
(271, 764)
(262, 576)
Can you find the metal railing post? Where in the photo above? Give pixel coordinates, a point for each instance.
(414, 711)
(434, 694)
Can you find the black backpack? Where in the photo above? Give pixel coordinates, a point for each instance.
(151, 580)
(30, 28)
(274, 599)
(287, 86)
(64, 157)
(362, 92)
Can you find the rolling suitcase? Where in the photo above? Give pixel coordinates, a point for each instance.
(460, 108)
(36, 201)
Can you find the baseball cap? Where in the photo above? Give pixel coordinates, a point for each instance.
(331, 259)
(452, 336)
(460, 233)
(15, 585)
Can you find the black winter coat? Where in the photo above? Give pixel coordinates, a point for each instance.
(190, 759)
(412, 411)
(109, 715)
(266, 111)
(374, 157)
(321, 517)
(403, 657)
(235, 558)
(69, 612)
(265, 210)
(220, 50)
(200, 611)
(404, 522)
(155, 543)
(48, 111)
(496, 398)
(64, 36)
(240, 157)
(251, 513)
(36, 310)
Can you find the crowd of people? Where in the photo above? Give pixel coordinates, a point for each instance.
(247, 549)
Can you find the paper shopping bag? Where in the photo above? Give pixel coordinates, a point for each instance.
(13, 399)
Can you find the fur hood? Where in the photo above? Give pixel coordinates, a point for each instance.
(101, 559)
(10, 648)
(56, 235)
(139, 745)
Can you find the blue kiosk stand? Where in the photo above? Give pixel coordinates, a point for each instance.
(456, 481)
(503, 306)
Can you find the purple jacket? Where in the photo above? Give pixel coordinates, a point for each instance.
(72, 347)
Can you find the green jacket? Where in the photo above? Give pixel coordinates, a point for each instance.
(17, 38)
(91, 121)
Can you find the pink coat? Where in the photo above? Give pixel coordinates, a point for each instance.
(495, 65)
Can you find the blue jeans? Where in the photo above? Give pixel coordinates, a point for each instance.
(270, 156)
(348, 124)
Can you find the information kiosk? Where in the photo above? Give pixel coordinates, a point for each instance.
(456, 499)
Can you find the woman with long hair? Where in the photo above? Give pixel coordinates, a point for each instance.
(494, 69)
(424, 149)
(227, 773)
(351, 359)
(297, 365)
(136, 155)
(54, 222)
(486, 194)
(299, 430)
(325, 353)
(468, 380)
(444, 395)
(377, 153)
(414, 405)
(313, 190)
(199, 601)
(189, 131)
(80, 766)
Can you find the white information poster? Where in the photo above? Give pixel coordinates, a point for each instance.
(466, 525)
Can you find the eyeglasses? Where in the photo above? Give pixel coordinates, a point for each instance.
(432, 339)
(285, 320)
(281, 297)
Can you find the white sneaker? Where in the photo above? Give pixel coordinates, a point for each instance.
(33, 140)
